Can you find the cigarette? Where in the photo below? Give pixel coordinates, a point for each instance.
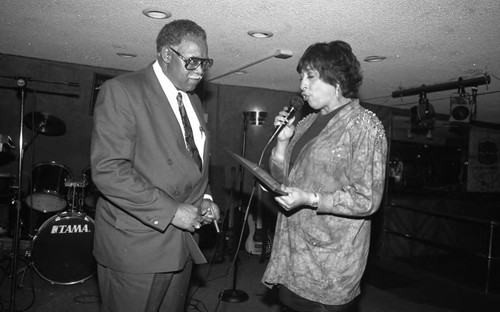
(215, 221)
(216, 226)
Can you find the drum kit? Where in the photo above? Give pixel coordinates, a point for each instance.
(61, 250)
(62, 245)
(57, 214)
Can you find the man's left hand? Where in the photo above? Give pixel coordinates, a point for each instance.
(209, 211)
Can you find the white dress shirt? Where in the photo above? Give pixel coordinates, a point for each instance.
(171, 93)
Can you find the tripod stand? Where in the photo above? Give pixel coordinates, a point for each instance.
(24, 267)
(21, 259)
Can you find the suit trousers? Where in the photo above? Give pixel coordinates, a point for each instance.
(132, 292)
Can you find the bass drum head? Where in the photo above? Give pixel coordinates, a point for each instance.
(62, 249)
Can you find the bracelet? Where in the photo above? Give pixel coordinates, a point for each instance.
(315, 202)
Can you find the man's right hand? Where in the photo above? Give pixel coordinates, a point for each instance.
(187, 218)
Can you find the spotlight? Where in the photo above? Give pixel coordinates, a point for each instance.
(460, 108)
(422, 118)
(256, 118)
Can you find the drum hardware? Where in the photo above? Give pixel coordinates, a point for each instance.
(42, 124)
(90, 193)
(81, 184)
(21, 271)
(6, 143)
(76, 198)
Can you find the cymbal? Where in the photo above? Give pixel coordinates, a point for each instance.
(44, 123)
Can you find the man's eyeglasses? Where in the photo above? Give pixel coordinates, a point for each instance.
(193, 63)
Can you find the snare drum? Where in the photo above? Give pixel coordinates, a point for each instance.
(49, 193)
(62, 249)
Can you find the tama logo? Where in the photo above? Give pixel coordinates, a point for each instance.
(76, 228)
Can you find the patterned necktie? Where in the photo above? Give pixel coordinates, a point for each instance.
(188, 133)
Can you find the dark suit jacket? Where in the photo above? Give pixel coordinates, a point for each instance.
(141, 166)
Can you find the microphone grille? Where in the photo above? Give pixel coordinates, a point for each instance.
(297, 102)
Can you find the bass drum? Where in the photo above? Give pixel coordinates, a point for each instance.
(62, 249)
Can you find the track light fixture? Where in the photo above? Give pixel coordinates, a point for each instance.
(460, 109)
(422, 117)
(463, 105)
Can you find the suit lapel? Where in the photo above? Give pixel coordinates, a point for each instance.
(161, 108)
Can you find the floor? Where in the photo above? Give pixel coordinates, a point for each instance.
(388, 285)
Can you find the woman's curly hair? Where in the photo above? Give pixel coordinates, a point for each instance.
(336, 64)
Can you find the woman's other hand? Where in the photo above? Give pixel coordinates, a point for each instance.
(296, 198)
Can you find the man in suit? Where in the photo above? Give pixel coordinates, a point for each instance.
(149, 158)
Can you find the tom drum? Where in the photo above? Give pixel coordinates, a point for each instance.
(49, 193)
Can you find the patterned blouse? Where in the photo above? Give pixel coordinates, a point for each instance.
(321, 255)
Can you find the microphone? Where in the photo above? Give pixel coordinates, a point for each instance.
(296, 104)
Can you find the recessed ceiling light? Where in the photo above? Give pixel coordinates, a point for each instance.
(240, 72)
(374, 58)
(126, 55)
(156, 13)
(260, 34)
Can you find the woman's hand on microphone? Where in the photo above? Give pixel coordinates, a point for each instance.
(289, 129)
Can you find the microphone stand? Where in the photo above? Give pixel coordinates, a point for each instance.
(234, 295)
(21, 83)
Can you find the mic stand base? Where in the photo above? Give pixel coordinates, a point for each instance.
(233, 296)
